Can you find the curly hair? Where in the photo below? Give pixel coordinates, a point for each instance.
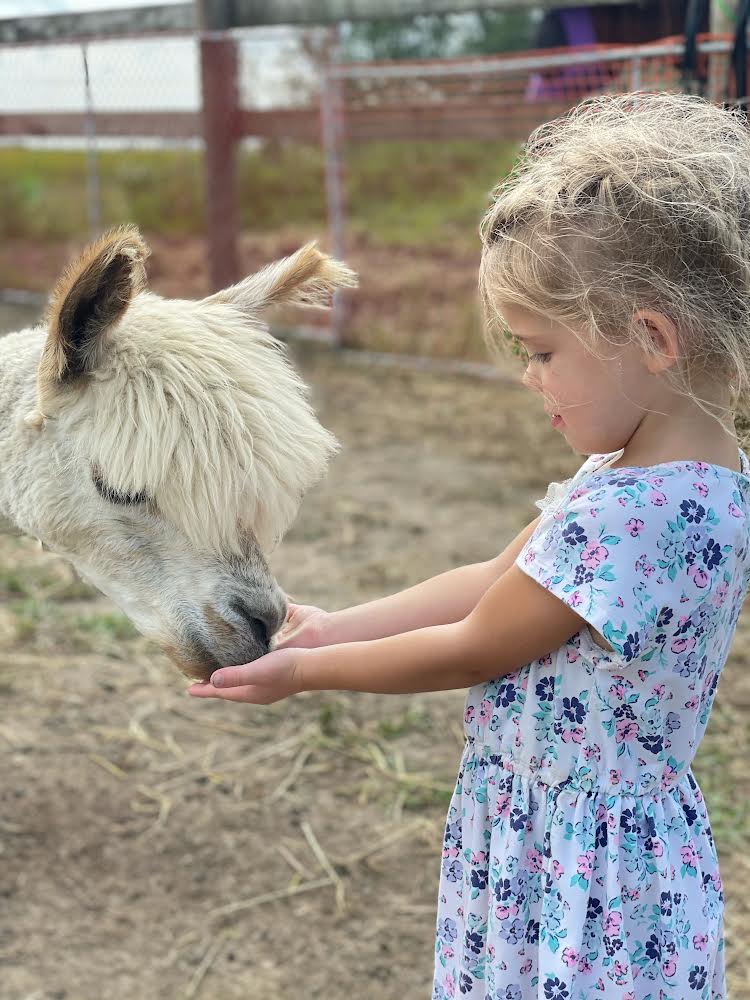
(632, 201)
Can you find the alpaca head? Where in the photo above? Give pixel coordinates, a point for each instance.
(169, 445)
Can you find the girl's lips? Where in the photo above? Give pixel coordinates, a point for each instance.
(557, 420)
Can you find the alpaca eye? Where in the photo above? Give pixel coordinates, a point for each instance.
(113, 496)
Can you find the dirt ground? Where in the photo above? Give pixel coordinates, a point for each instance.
(157, 848)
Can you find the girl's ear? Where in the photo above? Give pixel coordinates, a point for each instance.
(664, 341)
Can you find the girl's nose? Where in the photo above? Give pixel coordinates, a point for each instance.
(530, 380)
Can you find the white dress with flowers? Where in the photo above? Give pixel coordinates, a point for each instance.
(578, 861)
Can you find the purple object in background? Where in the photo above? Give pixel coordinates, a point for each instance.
(566, 27)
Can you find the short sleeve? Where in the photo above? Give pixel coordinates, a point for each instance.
(633, 555)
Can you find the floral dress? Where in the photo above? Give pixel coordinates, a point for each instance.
(578, 860)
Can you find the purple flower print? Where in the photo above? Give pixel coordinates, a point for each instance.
(697, 977)
(447, 930)
(554, 989)
(545, 688)
(574, 534)
(711, 554)
(574, 710)
(452, 870)
(692, 511)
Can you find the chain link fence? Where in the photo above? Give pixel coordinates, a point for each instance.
(389, 165)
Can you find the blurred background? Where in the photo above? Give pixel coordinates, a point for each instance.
(231, 132)
(156, 849)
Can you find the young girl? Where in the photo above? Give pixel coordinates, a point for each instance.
(578, 858)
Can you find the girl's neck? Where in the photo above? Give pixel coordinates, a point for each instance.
(701, 439)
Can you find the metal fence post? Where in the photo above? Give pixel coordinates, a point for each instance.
(332, 128)
(93, 186)
(218, 54)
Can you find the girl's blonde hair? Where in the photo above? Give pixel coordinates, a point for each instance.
(632, 201)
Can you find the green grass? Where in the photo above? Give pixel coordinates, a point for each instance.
(413, 193)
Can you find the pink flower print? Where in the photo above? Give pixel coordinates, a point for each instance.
(657, 498)
(591, 753)
(614, 776)
(502, 912)
(658, 691)
(593, 512)
(699, 576)
(634, 526)
(700, 941)
(656, 848)
(546, 660)
(644, 566)
(485, 710)
(574, 600)
(720, 593)
(668, 777)
(584, 965)
(617, 690)
(701, 489)
(447, 951)
(526, 967)
(571, 656)
(585, 864)
(622, 501)
(601, 810)
(681, 644)
(669, 967)
(478, 857)
(620, 971)
(529, 557)
(449, 985)
(612, 923)
(502, 805)
(692, 703)
(570, 957)
(593, 554)
(469, 713)
(557, 869)
(450, 852)
(534, 860)
(625, 731)
(716, 881)
(734, 510)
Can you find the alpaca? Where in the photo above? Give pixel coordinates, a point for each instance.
(163, 446)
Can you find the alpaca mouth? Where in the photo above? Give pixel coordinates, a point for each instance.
(198, 665)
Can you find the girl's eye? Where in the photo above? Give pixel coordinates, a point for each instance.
(541, 358)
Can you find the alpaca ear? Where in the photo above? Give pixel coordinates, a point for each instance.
(93, 293)
(307, 278)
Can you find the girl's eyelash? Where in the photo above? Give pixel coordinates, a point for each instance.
(543, 358)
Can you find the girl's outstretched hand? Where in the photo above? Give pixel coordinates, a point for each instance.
(268, 679)
(305, 628)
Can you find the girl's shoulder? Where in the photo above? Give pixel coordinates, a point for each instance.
(669, 477)
(673, 499)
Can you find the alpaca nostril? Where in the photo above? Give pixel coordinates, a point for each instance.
(258, 628)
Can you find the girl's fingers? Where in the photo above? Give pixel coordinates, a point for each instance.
(251, 693)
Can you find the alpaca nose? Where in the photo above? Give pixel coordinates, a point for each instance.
(261, 628)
